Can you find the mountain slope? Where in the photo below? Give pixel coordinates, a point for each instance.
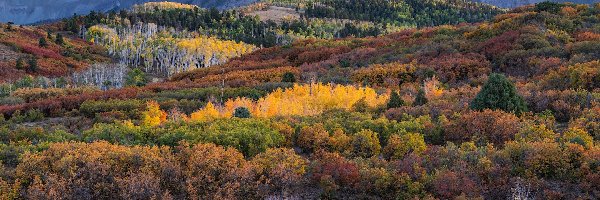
(517, 3)
(31, 11)
(55, 58)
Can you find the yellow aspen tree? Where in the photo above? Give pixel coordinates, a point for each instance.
(153, 116)
(209, 112)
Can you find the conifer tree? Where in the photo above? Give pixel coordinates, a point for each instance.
(241, 112)
(499, 93)
(420, 99)
(288, 77)
(395, 101)
(42, 42)
(136, 77)
(20, 65)
(33, 66)
(59, 39)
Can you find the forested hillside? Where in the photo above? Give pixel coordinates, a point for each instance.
(506, 108)
(42, 52)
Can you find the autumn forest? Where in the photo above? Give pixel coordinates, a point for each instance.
(304, 99)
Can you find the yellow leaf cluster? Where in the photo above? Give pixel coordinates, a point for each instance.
(301, 100)
(210, 46)
(207, 113)
(165, 5)
(153, 116)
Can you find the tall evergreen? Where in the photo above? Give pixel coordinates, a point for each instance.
(395, 101)
(420, 99)
(33, 66)
(59, 39)
(499, 93)
(20, 64)
(42, 42)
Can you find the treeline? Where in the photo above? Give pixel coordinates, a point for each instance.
(226, 25)
(403, 12)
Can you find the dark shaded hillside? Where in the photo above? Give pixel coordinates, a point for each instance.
(31, 11)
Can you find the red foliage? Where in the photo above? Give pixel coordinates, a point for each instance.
(491, 126)
(344, 172)
(454, 68)
(448, 184)
(500, 44)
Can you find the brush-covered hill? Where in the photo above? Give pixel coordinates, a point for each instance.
(517, 3)
(30, 50)
(525, 43)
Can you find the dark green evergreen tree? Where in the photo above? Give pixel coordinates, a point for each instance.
(20, 64)
(42, 42)
(499, 93)
(395, 101)
(33, 66)
(360, 106)
(420, 99)
(288, 77)
(241, 112)
(59, 39)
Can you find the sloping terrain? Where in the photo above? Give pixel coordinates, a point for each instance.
(31, 11)
(52, 59)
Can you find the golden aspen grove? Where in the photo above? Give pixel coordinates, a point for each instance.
(300, 99)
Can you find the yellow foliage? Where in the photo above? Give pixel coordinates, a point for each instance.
(210, 46)
(207, 113)
(153, 116)
(151, 6)
(301, 100)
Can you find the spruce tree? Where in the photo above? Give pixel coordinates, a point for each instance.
(32, 64)
(20, 65)
(241, 112)
(499, 93)
(59, 39)
(288, 77)
(420, 99)
(42, 42)
(395, 101)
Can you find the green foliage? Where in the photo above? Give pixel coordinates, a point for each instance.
(365, 144)
(33, 65)
(136, 77)
(288, 77)
(420, 99)
(361, 106)
(400, 145)
(59, 39)
(132, 107)
(241, 112)
(395, 101)
(549, 6)
(249, 136)
(499, 93)
(42, 42)
(20, 65)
